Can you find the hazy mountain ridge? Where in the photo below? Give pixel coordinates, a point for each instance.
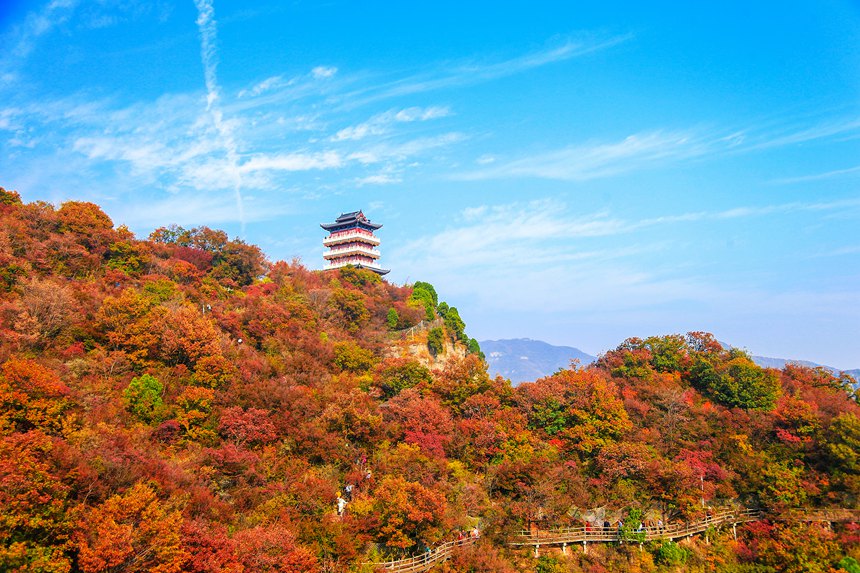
(780, 363)
(525, 360)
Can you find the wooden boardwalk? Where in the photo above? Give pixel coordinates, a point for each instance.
(584, 535)
(423, 562)
(571, 535)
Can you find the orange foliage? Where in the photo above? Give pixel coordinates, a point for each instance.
(132, 532)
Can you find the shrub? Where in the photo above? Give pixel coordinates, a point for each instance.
(143, 398)
(352, 357)
(392, 319)
(436, 341)
(670, 553)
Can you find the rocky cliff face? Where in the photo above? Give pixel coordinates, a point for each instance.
(415, 348)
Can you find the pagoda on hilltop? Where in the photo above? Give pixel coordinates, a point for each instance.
(351, 242)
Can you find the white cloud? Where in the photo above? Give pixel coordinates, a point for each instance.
(538, 269)
(321, 72)
(847, 127)
(819, 176)
(264, 86)
(531, 235)
(381, 123)
(421, 114)
(644, 150)
(471, 72)
(591, 161)
(293, 162)
(38, 24)
(378, 179)
(359, 131)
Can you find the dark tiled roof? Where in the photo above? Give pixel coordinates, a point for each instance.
(345, 219)
(361, 266)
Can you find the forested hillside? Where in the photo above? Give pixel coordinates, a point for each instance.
(182, 404)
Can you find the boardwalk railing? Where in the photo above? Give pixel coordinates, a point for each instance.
(604, 534)
(426, 561)
(563, 536)
(585, 535)
(423, 325)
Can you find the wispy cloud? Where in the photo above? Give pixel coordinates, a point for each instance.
(819, 176)
(648, 149)
(591, 161)
(293, 162)
(305, 84)
(844, 127)
(380, 123)
(535, 255)
(527, 257)
(380, 152)
(470, 72)
(378, 179)
(207, 27)
(842, 251)
(264, 86)
(387, 176)
(36, 24)
(545, 226)
(321, 72)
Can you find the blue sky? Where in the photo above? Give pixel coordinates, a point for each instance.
(576, 172)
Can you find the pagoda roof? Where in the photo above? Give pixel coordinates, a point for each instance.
(374, 269)
(346, 220)
(377, 270)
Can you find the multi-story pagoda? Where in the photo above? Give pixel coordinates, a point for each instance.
(351, 242)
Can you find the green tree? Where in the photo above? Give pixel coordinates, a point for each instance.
(129, 257)
(425, 290)
(547, 564)
(630, 530)
(670, 553)
(843, 443)
(455, 324)
(783, 485)
(143, 398)
(668, 353)
(549, 416)
(436, 341)
(392, 319)
(399, 376)
(737, 383)
(9, 197)
(475, 348)
(425, 295)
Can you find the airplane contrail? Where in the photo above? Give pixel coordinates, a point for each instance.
(207, 26)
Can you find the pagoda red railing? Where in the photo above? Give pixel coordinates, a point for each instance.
(361, 247)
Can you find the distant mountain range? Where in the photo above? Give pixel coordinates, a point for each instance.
(526, 360)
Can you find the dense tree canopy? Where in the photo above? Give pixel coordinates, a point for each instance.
(179, 404)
